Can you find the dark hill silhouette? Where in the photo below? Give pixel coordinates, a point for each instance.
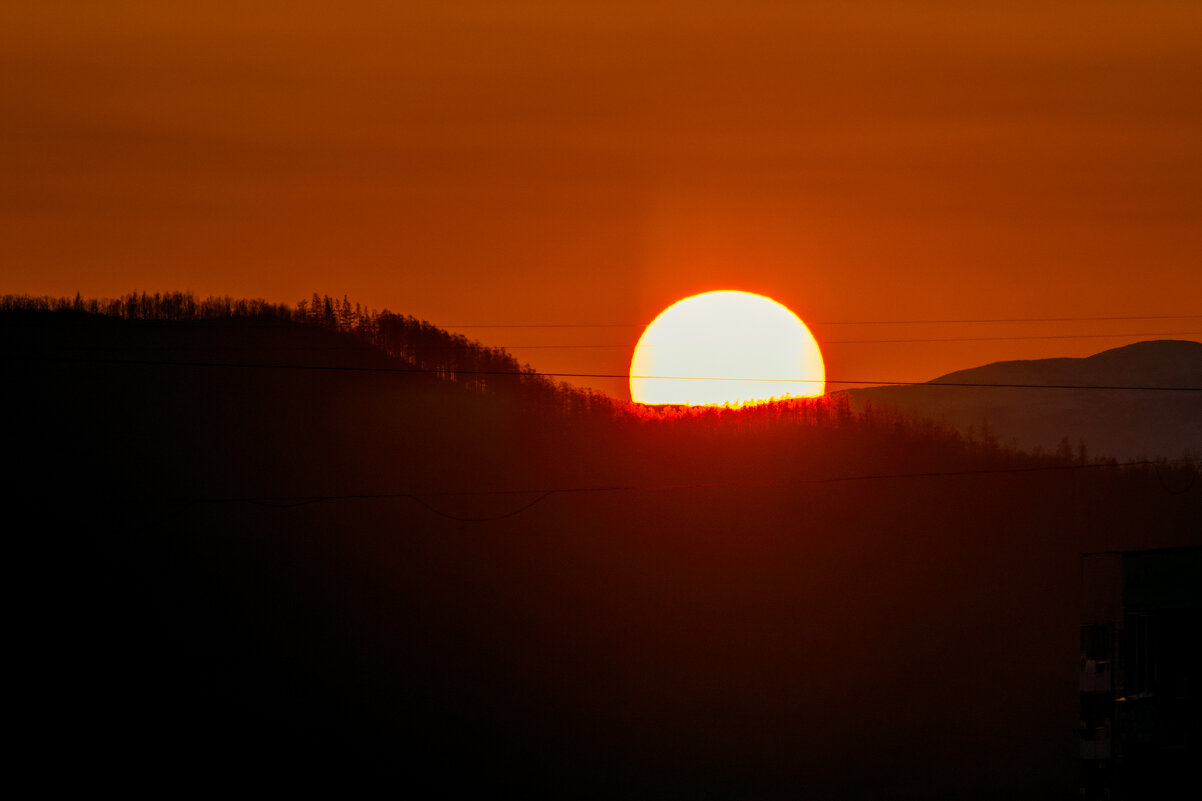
(1111, 423)
(720, 613)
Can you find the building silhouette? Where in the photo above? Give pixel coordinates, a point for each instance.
(1141, 646)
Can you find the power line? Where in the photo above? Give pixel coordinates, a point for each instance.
(1000, 339)
(887, 341)
(1017, 320)
(626, 345)
(419, 498)
(543, 494)
(865, 322)
(549, 325)
(276, 320)
(454, 371)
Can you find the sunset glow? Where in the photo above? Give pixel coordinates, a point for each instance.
(725, 348)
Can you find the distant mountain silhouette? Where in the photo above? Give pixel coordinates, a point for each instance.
(1123, 424)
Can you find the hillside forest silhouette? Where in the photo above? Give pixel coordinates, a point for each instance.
(317, 543)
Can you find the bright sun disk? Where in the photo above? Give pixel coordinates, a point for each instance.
(725, 347)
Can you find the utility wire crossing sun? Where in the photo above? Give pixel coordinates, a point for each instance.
(726, 348)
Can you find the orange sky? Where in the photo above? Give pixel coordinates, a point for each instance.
(495, 163)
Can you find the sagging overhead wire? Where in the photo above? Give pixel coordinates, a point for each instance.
(518, 374)
(868, 322)
(423, 498)
(826, 342)
(626, 345)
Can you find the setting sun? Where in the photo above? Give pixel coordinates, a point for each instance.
(725, 348)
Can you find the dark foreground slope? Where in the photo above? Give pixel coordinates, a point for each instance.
(707, 609)
(1114, 423)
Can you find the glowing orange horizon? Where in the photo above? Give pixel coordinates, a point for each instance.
(725, 348)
